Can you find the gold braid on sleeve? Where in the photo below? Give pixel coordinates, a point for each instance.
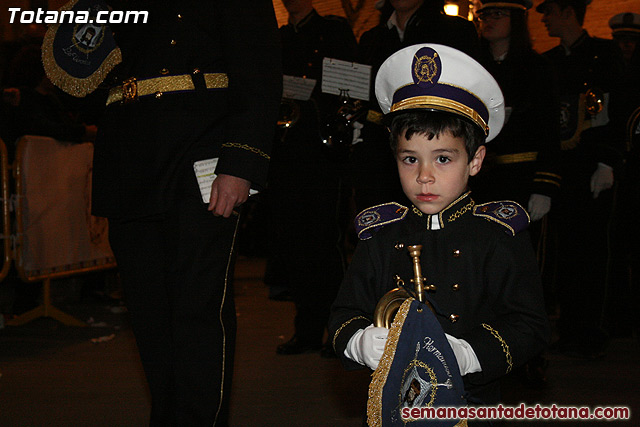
(246, 147)
(335, 336)
(505, 346)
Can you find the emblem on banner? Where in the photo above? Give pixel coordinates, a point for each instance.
(420, 381)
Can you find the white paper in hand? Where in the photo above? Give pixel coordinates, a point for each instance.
(205, 174)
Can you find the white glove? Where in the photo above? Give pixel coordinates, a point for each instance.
(357, 131)
(602, 179)
(539, 206)
(467, 360)
(367, 345)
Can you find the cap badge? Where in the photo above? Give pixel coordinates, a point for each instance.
(427, 67)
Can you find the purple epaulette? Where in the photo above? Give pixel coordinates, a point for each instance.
(506, 213)
(377, 216)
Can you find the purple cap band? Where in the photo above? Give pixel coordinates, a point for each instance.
(446, 92)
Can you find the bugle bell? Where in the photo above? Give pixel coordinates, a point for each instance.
(388, 305)
(594, 101)
(337, 130)
(289, 113)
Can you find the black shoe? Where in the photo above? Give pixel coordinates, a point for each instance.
(327, 351)
(579, 350)
(297, 346)
(533, 373)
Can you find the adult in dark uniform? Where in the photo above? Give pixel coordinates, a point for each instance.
(590, 72)
(624, 294)
(197, 81)
(522, 162)
(625, 29)
(403, 23)
(305, 178)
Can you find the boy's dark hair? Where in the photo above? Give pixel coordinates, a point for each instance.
(434, 123)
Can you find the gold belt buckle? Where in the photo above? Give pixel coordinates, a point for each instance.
(129, 90)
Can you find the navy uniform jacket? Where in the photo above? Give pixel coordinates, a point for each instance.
(524, 157)
(145, 150)
(484, 274)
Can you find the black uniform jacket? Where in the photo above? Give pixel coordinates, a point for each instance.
(486, 278)
(145, 149)
(590, 64)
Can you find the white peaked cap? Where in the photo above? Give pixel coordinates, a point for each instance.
(440, 78)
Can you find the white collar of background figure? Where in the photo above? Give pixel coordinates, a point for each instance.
(393, 22)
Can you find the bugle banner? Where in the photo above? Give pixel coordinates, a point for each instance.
(418, 369)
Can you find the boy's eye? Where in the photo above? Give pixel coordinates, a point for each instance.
(410, 160)
(443, 159)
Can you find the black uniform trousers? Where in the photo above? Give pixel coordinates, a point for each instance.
(583, 249)
(176, 270)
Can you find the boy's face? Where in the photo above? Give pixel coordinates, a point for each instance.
(435, 172)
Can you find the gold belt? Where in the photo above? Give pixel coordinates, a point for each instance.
(531, 156)
(131, 88)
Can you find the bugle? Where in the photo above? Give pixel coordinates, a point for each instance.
(388, 305)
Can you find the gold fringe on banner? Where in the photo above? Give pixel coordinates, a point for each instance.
(379, 376)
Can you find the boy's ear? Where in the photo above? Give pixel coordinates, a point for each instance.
(476, 163)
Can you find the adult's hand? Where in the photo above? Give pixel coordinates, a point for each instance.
(539, 205)
(228, 192)
(602, 179)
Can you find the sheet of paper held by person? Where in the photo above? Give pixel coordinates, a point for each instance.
(205, 173)
(340, 75)
(298, 88)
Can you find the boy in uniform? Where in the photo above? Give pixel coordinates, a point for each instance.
(441, 106)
